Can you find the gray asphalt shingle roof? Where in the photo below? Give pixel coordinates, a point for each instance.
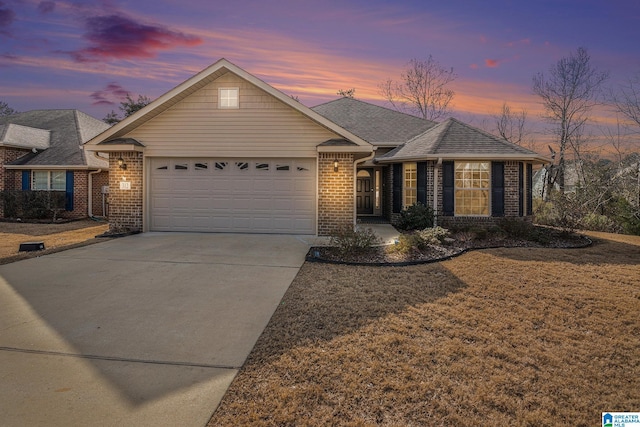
(376, 125)
(452, 137)
(69, 129)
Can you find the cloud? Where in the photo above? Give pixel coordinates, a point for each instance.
(111, 94)
(46, 7)
(120, 37)
(6, 17)
(491, 63)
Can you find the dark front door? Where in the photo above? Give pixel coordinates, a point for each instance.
(364, 192)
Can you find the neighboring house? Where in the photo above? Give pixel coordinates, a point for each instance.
(226, 152)
(42, 150)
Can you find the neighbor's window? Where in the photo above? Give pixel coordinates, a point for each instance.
(410, 183)
(228, 98)
(472, 188)
(49, 180)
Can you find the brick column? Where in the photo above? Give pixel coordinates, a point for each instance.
(511, 189)
(10, 179)
(336, 192)
(125, 206)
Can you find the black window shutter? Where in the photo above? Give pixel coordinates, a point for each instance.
(520, 189)
(397, 187)
(529, 189)
(447, 189)
(422, 183)
(26, 180)
(497, 188)
(69, 192)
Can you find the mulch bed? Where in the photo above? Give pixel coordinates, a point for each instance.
(459, 243)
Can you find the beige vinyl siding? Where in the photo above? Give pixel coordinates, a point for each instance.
(261, 127)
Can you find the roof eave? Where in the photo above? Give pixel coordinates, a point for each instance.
(536, 158)
(345, 149)
(51, 167)
(110, 148)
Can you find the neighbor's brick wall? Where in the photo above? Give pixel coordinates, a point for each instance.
(98, 180)
(336, 192)
(79, 197)
(125, 206)
(10, 179)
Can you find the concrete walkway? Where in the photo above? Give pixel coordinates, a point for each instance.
(144, 330)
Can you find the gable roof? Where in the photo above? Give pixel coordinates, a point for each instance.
(379, 126)
(14, 135)
(67, 130)
(453, 139)
(202, 79)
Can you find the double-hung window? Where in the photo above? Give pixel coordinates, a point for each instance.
(410, 171)
(472, 188)
(49, 180)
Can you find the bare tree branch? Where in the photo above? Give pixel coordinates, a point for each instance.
(627, 100)
(422, 90)
(568, 93)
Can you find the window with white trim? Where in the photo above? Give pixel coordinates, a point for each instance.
(410, 171)
(472, 188)
(228, 97)
(49, 180)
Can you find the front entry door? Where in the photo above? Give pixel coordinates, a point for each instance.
(364, 192)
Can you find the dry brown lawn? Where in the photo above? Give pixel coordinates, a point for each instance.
(54, 236)
(521, 336)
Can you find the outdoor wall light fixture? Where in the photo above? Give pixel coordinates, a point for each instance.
(122, 164)
(335, 165)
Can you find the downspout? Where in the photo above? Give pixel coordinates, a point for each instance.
(90, 192)
(355, 177)
(435, 192)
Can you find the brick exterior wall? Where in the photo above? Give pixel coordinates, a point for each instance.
(125, 206)
(511, 185)
(336, 192)
(99, 180)
(511, 198)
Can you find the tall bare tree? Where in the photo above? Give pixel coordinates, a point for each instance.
(511, 125)
(627, 100)
(422, 90)
(568, 93)
(5, 110)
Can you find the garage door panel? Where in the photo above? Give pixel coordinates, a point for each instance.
(233, 195)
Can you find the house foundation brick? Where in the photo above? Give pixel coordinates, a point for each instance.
(336, 192)
(125, 205)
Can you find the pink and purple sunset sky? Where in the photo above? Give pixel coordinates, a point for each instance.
(89, 54)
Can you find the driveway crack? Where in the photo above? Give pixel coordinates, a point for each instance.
(117, 359)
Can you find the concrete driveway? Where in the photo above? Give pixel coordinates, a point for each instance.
(145, 330)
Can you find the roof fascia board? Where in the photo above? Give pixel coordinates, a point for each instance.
(114, 148)
(466, 156)
(50, 167)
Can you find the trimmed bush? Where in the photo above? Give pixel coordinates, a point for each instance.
(349, 240)
(415, 217)
(29, 204)
(433, 235)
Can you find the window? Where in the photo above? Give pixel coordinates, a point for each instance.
(201, 166)
(472, 186)
(49, 180)
(410, 183)
(228, 98)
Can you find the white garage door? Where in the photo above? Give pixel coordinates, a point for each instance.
(233, 195)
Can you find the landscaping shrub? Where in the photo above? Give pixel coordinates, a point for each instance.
(350, 240)
(408, 243)
(29, 204)
(415, 217)
(519, 229)
(433, 235)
